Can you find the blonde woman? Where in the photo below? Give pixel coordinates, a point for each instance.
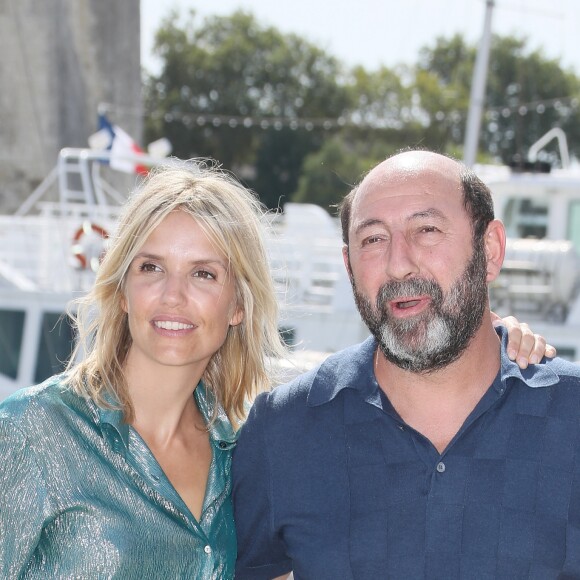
(121, 466)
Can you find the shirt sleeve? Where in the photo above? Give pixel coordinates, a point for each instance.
(261, 551)
(22, 501)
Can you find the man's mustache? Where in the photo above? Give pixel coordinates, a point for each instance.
(394, 290)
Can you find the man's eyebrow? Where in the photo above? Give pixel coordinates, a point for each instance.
(368, 223)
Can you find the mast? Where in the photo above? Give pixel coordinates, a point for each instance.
(477, 96)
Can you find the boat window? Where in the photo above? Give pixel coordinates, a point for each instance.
(55, 345)
(11, 331)
(526, 218)
(574, 224)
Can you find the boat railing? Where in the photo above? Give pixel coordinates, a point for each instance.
(79, 178)
(538, 278)
(305, 251)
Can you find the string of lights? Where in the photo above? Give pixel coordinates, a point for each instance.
(560, 104)
(563, 105)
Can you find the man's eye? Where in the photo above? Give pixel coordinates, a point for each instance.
(371, 240)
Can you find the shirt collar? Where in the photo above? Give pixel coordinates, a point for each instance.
(221, 432)
(534, 376)
(113, 428)
(351, 368)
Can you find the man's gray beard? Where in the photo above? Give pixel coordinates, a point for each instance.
(437, 336)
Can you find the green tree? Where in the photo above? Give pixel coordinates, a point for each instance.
(330, 173)
(443, 77)
(296, 124)
(384, 116)
(526, 95)
(237, 91)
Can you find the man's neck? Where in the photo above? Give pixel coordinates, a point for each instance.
(436, 404)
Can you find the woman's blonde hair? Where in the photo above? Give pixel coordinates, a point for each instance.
(232, 218)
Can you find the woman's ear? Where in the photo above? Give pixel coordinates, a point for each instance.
(237, 316)
(494, 244)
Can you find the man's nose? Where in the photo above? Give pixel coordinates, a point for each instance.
(401, 258)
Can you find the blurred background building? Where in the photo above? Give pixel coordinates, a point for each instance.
(60, 60)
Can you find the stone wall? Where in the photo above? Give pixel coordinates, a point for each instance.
(60, 59)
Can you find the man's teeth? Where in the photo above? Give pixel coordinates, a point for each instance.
(167, 325)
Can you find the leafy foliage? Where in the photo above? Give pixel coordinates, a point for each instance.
(526, 95)
(225, 86)
(295, 124)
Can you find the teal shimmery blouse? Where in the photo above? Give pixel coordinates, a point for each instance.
(81, 495)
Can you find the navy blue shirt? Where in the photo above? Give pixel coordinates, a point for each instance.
(331, 483)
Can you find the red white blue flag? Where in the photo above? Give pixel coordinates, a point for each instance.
(122, 146)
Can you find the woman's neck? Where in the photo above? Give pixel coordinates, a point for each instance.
(163, 400)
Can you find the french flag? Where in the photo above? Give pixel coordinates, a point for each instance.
(121, 145)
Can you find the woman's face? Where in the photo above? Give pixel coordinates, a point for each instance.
(179, 297)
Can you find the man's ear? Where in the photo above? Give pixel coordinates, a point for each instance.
(494, 244)
(346, 260)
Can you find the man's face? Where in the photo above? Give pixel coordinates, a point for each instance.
(420, 285)
(439, 334)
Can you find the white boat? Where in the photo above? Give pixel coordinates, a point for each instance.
(540, 278)
(50, 248)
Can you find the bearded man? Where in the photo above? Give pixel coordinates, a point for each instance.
(424, 452)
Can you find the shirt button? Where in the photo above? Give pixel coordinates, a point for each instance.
(207, 550)
(223, 444)
(441, 467)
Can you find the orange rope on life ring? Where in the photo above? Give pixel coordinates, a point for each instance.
(77, 248)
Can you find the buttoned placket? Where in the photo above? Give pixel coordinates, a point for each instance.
(145, 471)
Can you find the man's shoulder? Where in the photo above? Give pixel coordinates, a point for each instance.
(556, 382)
(327, 373)
(564, 369)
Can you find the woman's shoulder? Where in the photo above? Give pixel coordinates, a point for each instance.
(39, 403)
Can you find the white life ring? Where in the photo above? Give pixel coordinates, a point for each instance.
(78, 248)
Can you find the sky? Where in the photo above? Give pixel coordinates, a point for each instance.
(390, 32)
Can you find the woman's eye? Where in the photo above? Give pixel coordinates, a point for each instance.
(204, 274)
(149, 267)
